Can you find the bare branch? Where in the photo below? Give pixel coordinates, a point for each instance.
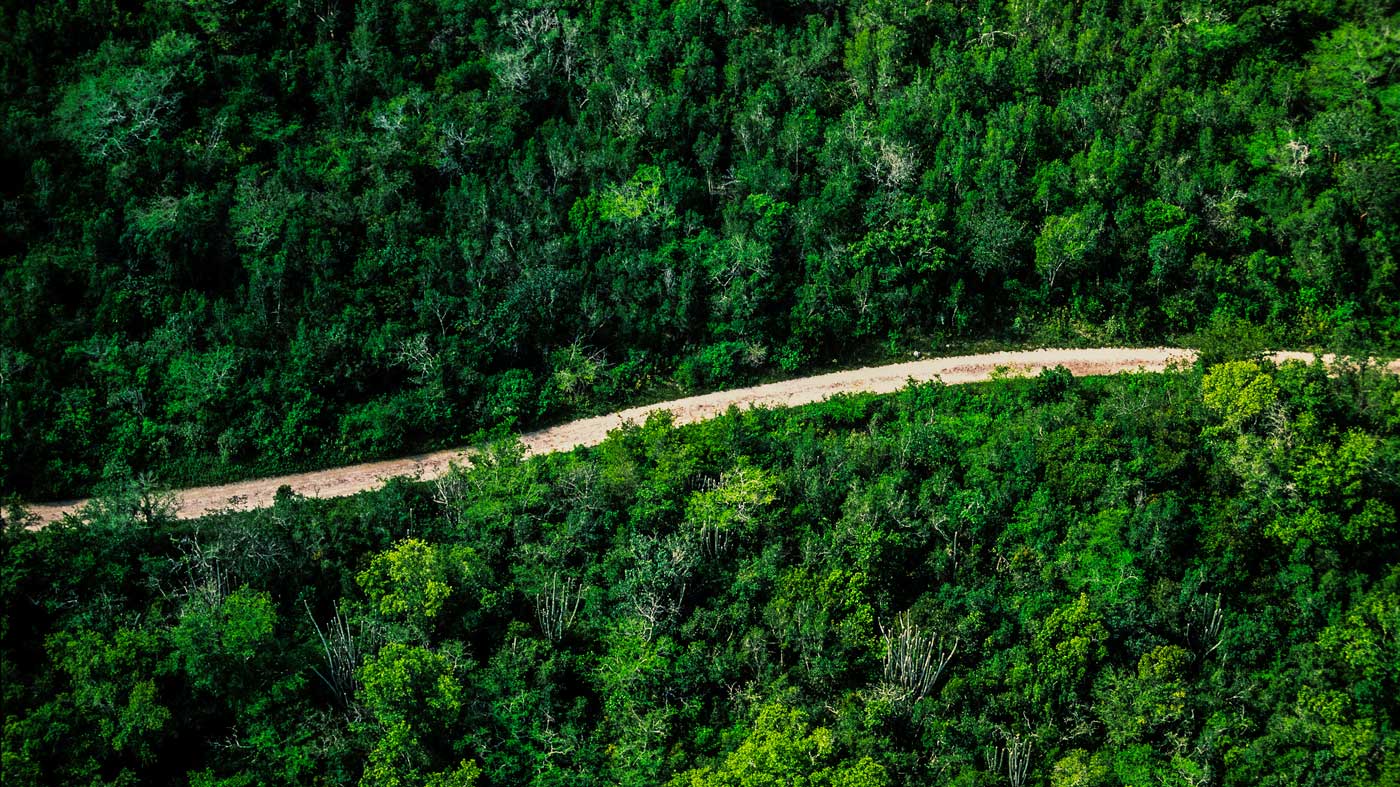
(557, 605)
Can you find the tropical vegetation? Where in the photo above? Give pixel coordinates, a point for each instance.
(1180, 579)
(246, 238)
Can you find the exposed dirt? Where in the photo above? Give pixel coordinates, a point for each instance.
(338, 482)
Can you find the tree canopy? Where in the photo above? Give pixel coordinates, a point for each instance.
(248, 238)
(1177, 579)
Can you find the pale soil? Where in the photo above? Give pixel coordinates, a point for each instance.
(338, 482)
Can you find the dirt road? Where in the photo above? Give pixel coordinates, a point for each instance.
(337, 482)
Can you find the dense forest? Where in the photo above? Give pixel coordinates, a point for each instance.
(1183, 579)
(249, 237)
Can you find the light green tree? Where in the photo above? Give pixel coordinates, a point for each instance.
(1068, 243)
(783, 750)
(218, 638)
(410, 692)
(411, 581)
(1239, 392)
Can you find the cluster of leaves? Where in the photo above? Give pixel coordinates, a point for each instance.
(242, 238)
(1171, 579)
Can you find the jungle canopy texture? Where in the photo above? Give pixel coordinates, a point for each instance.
(248, 238)
(1178, 579)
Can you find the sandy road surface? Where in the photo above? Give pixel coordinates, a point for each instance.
(337, 482)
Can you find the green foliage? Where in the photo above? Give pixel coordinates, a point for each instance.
(250, 239)
(1068, 647)
(413, 580)
(464, 775)
(783, 749)
(111, 684)
(1067, 244)
(1354, 666)
(221, 640)
(1168, 579)
(409, 691)
(1079, 769)
(1239, 392)
(734, 505)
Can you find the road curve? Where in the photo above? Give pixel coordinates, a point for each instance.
(337, 482)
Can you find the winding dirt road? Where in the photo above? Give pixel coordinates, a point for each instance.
(338, 482)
